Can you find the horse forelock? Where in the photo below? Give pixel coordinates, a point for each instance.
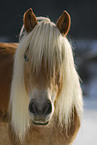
(45, 43)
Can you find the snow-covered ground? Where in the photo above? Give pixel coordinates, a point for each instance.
(87, 134)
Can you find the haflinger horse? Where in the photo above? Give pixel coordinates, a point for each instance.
(41, 103)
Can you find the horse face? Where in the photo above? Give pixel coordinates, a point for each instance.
(42, 91)
(43, 87)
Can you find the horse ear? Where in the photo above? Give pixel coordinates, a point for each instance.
(63, 23)
(29, 20)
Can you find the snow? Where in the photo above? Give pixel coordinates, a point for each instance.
(88, 131)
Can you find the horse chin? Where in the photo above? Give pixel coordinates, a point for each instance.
(40, 123)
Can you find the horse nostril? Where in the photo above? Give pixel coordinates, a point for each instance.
(32, 108)
(48, 108)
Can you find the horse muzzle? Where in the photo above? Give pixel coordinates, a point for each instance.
(40, 113)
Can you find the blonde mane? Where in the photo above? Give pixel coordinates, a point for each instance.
(45, 41)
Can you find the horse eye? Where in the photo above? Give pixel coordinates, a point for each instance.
(26, 58)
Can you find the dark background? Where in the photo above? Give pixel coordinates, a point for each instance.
(83, 15)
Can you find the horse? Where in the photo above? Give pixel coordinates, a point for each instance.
(40, 95)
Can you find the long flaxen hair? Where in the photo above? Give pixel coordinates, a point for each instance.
(44, 43)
